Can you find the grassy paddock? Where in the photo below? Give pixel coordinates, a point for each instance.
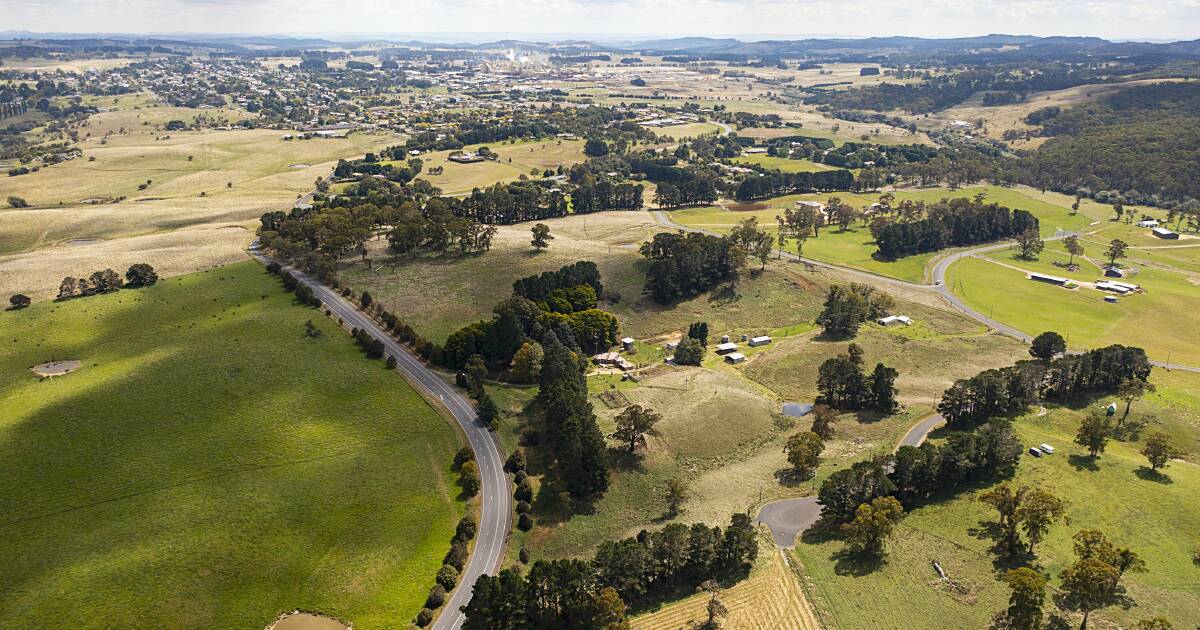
(515, 160)
(854, 247)
(1155, 517)
(207, 444)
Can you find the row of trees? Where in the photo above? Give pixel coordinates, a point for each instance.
(697, 191)
(957, 222)
(605, 195)
(649, 567)
(775, 184)
(106, 281)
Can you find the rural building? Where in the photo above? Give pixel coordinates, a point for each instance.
(1042, 277)
(1113, 271)
(1148, 223)
(1120, 288)
(759, 341)
(815, 205)
(1162, 232)
(627, 344)
(465, 158)
(892, 320)
(1111, 299)
(735, 357)
(613, 359)
(726, 348)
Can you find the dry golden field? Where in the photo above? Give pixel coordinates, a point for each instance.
(203, 191)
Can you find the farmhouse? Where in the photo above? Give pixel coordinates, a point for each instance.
(735, 357)
(727, 347)
(613, 359)
(892, 320)
(465, 158)
(1162, 232)
(759, 341)
(1042, 277)
(1148, 223)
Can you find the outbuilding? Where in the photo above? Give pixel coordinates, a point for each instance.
(1162, 232)
(759, 341)
(627, 344)
(892, 320)
(735, 357)
(1047, 278)
(726, 348)
(1148, 223)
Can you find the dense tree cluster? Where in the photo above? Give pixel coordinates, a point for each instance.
(1011, 390)
(683, 265)
(937, 92)
(849, 306)
(605, 195)
(775, 183)
(913, 474)
(573, 434)
(841, 384)
(647, 568)
(514, 202)
(951, 223)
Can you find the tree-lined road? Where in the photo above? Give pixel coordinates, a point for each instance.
(495, 513)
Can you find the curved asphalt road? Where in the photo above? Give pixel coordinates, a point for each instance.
(939, 281)
(790, 517)
(495, 521)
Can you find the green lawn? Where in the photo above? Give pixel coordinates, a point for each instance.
(1157, 519)
(1159, 320)
(786, 165)
(855, 247)
(209, 466)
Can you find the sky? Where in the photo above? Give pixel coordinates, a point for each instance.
(613, 19)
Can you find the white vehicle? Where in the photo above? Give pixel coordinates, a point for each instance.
(1046, 448)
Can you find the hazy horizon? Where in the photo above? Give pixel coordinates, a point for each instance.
(608, 20)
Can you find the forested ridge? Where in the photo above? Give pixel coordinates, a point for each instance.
(1143, 142)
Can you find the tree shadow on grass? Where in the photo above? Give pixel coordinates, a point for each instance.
(790, 478)
(622, 460)
(1083, 462)
(1146, 473)
(854, 564)
(1005, 556)
(724, 295)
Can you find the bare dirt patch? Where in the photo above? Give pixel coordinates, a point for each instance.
(748, 207)
(297, 620)
(55, 368)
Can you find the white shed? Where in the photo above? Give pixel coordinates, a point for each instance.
(735, 357)
(726, 348)
(759, 341)
(892, 320)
